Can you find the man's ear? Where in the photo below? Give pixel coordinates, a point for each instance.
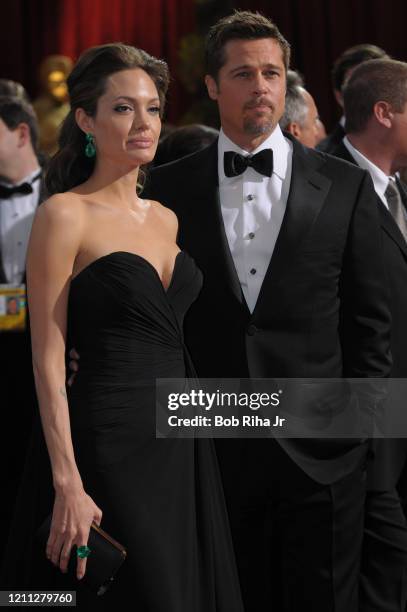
(294, 129)
(84, 121)
(212, 87)
(23, 133)
(338, 97)
(384, 113)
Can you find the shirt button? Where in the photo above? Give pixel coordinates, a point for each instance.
(251, 235)
(250, 197)
(253, 271)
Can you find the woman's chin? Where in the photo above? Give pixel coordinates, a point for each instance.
(139, 157)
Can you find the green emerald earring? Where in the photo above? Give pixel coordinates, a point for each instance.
(90, 149)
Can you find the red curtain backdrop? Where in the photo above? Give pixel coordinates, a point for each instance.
(37, 28)
(318, 30)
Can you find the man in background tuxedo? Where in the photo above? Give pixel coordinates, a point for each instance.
(342, 70)
(20, 194)
(288, 241)
(300, 116)
(375, 101)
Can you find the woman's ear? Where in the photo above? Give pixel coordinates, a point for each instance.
(84, 121)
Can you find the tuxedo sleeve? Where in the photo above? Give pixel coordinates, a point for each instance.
(365, 317)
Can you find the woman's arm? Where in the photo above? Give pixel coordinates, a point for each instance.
(54, 243)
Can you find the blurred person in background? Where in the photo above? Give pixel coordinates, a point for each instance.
(21, 191)
(300, 117)
(183, 141)
(375, 104)
(343, 68)
(13, 89)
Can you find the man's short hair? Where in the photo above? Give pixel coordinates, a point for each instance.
(353, 57)
(295, 110)
(14, 111)
(241, 25)
(371, 82)
(14, 89)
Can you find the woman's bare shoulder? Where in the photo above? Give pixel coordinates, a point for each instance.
(62, 207)
(167, 215)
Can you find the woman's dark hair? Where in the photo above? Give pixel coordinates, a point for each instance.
(86, 84)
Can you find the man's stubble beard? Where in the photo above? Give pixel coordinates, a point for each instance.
(255, 127)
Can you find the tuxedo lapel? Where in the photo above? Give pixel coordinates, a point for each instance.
(307, 194)
(212, 234)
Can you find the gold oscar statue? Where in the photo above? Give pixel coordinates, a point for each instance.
(52, 104)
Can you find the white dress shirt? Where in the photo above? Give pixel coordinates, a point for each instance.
(253, 208)
(379, 178)
(16, 217)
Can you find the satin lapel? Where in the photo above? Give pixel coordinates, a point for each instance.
(308, 191)
(206, 195)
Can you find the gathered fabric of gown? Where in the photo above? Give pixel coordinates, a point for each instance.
(161, 498)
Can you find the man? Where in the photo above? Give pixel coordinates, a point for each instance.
(375, 102)
(13, 89)
(20, 194)
(290, 257)
(300, 117)
(343, 68)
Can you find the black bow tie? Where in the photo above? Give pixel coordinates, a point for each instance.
(23, 189)
(235, 164)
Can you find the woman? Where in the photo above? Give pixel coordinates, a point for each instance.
(104, 270)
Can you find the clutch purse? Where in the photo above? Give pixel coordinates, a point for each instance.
(103, 563)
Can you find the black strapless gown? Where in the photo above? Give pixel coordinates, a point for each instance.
(161, 498)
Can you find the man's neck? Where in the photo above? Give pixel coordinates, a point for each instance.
(375, 151)
(245, 141)
(24, 166)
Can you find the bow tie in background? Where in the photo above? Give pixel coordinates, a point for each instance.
(23, 189)
(235, 164)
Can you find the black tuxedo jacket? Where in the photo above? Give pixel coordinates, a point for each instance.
(395, 257)
(322, 309)
(330, 142)
(391, 454)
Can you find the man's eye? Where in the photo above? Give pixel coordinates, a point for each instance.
(272, 73)
(122, 108)
(242, 75)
